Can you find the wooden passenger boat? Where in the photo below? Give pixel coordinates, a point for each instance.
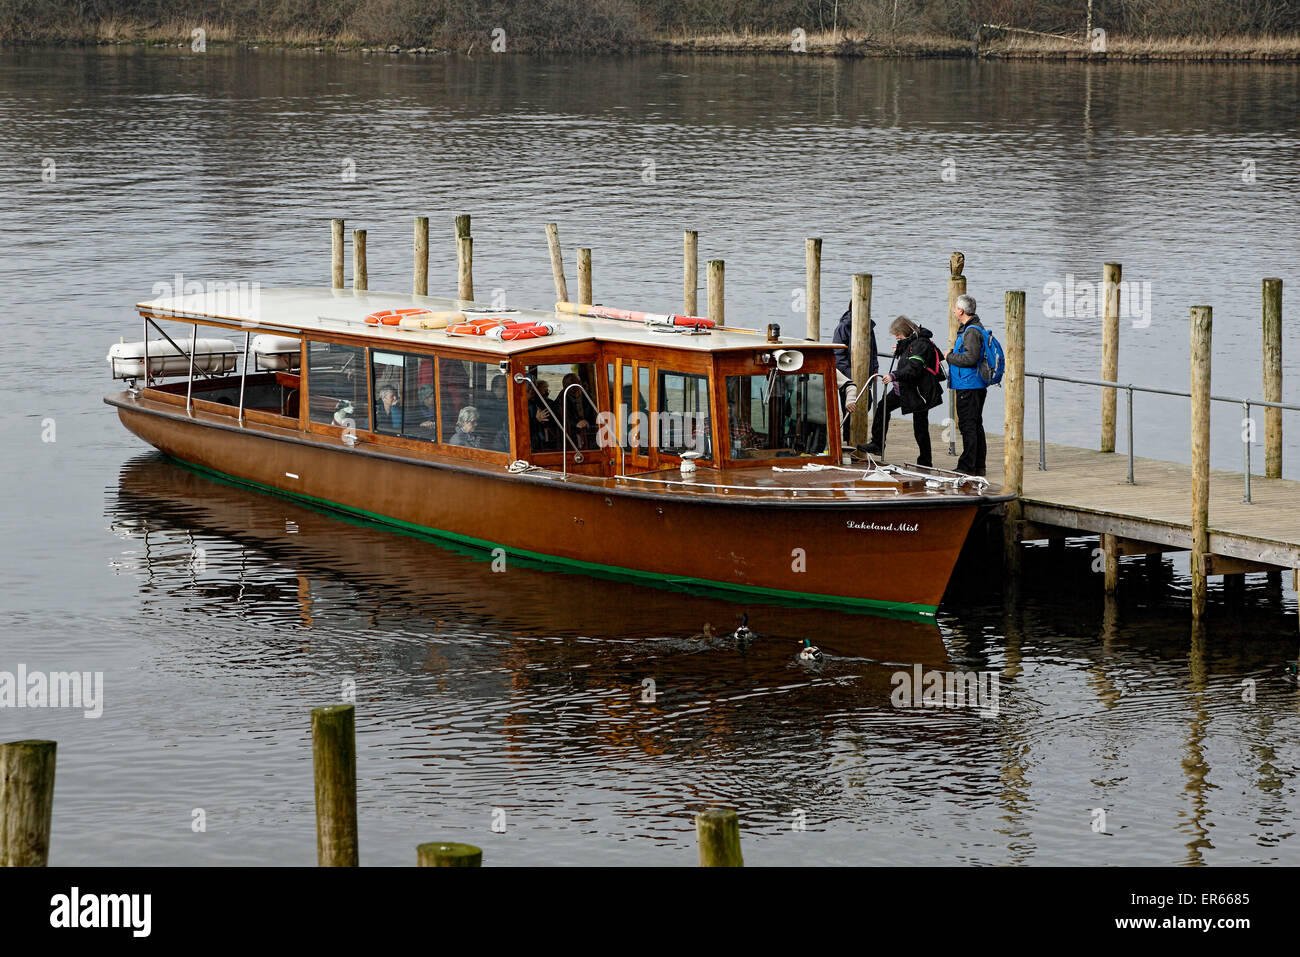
(624, 443)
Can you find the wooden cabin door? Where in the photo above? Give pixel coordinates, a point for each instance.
(631, 382)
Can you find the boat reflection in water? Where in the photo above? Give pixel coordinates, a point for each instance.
(356, 598)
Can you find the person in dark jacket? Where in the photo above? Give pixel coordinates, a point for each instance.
(911, 385)
(844, 334)
(969, 386)
(851, 391)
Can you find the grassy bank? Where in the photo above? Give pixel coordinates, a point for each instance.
(843, 43)
(995, 45)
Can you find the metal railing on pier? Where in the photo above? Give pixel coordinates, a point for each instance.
(1128, 389)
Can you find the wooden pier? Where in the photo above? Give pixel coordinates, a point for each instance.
(1085, 492)
(1231, 522)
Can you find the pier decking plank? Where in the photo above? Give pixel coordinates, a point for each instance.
(1088, 491)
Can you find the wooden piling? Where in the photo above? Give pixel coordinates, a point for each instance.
(420, 280)
(1272, 377)
(336, 253)
(718, 833)
(1110, 562)
(812, 297)
(956, 287)
(334, 753)
(690, 272)
(860, 356)
(584, 276)
(1110, 278)
(1013, 456)
(465, 268)
(359, 280)
(557, 262)
(439, 854)
(26, 802)
(464, 258)
(716, 281)
(1202, 334)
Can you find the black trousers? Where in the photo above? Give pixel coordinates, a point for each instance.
(970, 419)
(920, 427)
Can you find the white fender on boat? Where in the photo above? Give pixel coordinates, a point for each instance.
(210, 355)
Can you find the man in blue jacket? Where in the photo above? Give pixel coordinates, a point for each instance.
(969, 386)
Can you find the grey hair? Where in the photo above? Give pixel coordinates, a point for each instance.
(966, 304)
(467, 415)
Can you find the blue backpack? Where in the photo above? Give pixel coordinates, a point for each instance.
(993, 360)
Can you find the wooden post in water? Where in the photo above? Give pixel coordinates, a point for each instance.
(716, 281)
(359, 281)
(956, 287)
(439, 854)
(464, 259)
(690, 272)
(812, 295)
(584, 276)
(1272, 377)
(860, 357)
(26, 802)
(1110, 277)
(420, 281)
(1013, 455)
(1202, 326)
(557, 262)
(334, 753)
(336, 253)
(1110, 562)
(718, 833)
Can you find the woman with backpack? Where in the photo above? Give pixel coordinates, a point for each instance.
(911, 385)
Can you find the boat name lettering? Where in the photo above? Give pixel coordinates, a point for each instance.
(891, 527)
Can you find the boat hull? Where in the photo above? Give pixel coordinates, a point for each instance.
(877, 554)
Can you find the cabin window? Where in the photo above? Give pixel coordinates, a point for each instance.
(683, 424)
(567, 393)
(480, 388)
(405, 401)
(777, 415)
(336, 380)
(638, 428)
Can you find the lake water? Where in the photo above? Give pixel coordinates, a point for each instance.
(219, 616)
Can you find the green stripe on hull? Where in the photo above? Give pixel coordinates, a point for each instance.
(477, 545)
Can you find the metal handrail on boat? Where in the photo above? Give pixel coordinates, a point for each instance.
(520, 377)
(564, 420)
(1128, 390)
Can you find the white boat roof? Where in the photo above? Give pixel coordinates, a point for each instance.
(322, 309)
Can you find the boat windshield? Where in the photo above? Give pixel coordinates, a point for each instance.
(777, 416)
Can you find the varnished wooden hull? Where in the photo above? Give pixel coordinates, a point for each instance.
(880, 554)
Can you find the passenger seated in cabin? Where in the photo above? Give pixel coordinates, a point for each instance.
(428, 411)
(466, 435)
(493, 415)
(743, 436)
(579, 414)
(388, 410)
(543, 427)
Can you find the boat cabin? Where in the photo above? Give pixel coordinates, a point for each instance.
(572, 393)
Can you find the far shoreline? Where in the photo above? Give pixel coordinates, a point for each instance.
(995, 45)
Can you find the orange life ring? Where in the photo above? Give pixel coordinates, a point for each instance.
(530, 331)
(483, 326)
(391, 317)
